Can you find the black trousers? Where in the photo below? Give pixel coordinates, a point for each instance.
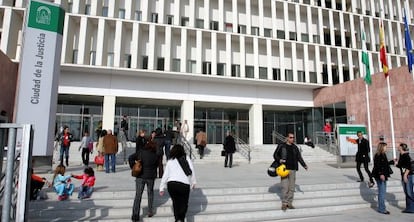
(35, 187)
(85, 156)
(228, 159)
(179, 193)
(358, 168)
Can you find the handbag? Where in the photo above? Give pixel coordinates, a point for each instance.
(271, 170)
(136, 169)
(99, 160)
(223, 153)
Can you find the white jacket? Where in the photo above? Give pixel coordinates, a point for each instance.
(174, 172)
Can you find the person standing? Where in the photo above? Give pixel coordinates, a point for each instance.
(407, 177)
(169, 136)
(141, 140)
(65, 138)
(201, 138)
(124, 126)
(149, 162)
(362, 157)
(288, 153)
(84, 146)
(100, 149)
(381, 172)
(185, 129)
(110, 143)
(122, 139)
(179, 178)
(230, 148)
(158, 138)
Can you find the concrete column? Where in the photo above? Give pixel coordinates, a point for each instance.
(261, 17)
(269, 58)
(282, 60)
(235, 16)
(228, 55)
(187, 113)
(256, 57)
(256, 124)
(108, 112)
(151, 48)
(134, 45)
(183, 64)
(82, 48)
(199, 51)
(214, 53)
(294, 62)
(167, 55)
(118, 50)
(100, 47)
(242, 57)
(274, 21)
(248, 18)
(221, 16)
(306, 62)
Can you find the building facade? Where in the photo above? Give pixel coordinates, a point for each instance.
(247, 66)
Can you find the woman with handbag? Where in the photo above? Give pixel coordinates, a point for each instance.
(230, 148)
(381, 172)
(149, 162)
(179, 178)
(99, 159)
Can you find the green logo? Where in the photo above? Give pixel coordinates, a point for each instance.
(46, 16)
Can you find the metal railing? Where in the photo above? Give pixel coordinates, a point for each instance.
(15, 197)
(187, 146)
(326, 141)
(278, 138)
(243, 148)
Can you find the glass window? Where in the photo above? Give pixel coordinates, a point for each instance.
(214, 25)
(127, 60)
(206, 67)
(292, 36)
(75, 56)
(185, 21)
(138, 15)
(221, 69)
(170, 19)
(176, 65)
(160, 64)
(267, 32)
(191, 66)
(154, 17)
(255, 30)
(312, 77)
(70, 5)
(315, 39)
(144, 62)
(288, 75)
(92, 58)
(228, 27)
(280, 34)
(262, 73)
(305, 37)
(121, 13)
(301, 76)
(200, 23)
(105, 11)
(250, 72)
(87, 9)
(110, 59)
(276, 74)
(241, 29)
(235, 70)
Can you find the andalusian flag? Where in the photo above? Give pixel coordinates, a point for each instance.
(383, 56)
(365, 59)
(408, 45)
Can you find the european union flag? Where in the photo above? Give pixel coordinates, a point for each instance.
(408, 45)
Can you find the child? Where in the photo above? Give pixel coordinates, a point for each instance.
(62, 184)
(36, 184)
(85, 147)
(88, 181)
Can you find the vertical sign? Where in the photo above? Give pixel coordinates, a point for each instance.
(347, 138)
(39, 73)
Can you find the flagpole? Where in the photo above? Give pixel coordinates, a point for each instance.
(394, 155)
(369, 123)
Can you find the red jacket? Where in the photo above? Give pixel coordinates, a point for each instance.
(87, 180)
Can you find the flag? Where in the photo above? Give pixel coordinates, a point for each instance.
(383, 56)
(365, 59)
(408, 46)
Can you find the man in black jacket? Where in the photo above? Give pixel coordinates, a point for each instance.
(362, 157)
(289, 155)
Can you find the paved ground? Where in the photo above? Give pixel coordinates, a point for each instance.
(210, 175)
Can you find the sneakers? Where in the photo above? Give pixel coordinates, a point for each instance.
(62, 197)
(284, 207)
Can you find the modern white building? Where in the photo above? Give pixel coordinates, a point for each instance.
(249, 66)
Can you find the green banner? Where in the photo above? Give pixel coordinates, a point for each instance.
(352, 130)
(46, 17)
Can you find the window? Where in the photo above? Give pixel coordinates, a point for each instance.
(176, 64)
(160, 64)
(110, 59)
(214, 25)
(170, 19)
(301, 76)
(75, 56)
(144, 62)
(206, 68)
(250, 72)
(92, 58)
(267, 32)
(255, 30)
(306, 2)
(276, 74)
(87, 9)
(288, 75)
(185, 21)
(292, 36)
(312, 77)
(191, 66)
(241, 29)
(235, 70)
(70, 5)
(221, 69)
(121, 13)
(200, 23)
(280, 34)
(262, 73)
(316, 39)
(138, 15)
(127, 60)
(105, 11)
(228, 27)
(154, 17)
(305, 37)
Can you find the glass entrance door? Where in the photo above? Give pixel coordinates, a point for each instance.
(215, 132)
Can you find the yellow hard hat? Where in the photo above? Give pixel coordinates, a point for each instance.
(282, 171)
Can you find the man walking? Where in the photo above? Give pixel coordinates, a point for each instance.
(288, 153)
(362, 157)
(110, 143)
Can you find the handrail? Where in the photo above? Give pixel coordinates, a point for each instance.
(187, 146)
(278, 136)
(243, 148)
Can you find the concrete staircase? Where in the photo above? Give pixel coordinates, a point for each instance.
(218, 204)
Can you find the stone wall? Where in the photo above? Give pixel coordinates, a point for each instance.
(402, 97)
(8, 80)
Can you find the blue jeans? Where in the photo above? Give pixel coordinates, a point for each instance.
(382, 189)
(409, 193)
(64, 151)
(110, 158)
(85, 192)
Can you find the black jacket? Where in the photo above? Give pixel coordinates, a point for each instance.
(149, 161)
(229, 144)
(362, 154)
(291, 155)
(140, 143)
(381, 166)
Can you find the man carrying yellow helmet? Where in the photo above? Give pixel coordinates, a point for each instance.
(288, 155)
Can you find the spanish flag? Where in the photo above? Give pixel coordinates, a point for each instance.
(383, 56)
